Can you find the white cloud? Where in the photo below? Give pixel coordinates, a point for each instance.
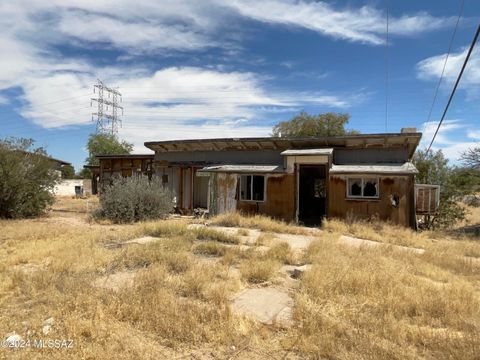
(431, 68)
(172, 96)
(172, 102)
(474, 135)
(365, 24)
(136, 37)
(452, 138)
(445, 130)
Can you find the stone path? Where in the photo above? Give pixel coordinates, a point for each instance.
(267, 305)
(138, 241)
(356, 242)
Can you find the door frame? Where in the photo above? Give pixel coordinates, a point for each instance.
(297, 186)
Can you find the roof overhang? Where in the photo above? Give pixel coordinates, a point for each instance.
(394, 169)
(125, 156)
(307, 152)
(388, 140)
(248, 169)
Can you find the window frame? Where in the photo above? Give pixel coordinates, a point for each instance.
(242, 176)
(363, 178)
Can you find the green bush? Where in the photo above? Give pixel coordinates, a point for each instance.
(133, 199)
(27, 179)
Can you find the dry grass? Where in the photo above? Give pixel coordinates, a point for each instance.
(282, 252)
(258, 270)
(260, 222)
(379, 231)
(264, 239)
(385, 304)
(367, 303)
(73, 204)
(211, 248)
(243, 232)
(215, 235)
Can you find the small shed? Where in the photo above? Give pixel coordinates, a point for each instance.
(427, 199)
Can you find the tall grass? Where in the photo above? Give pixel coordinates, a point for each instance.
(368, 302)
(257, 270)
(354, 303)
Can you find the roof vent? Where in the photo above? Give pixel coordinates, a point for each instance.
(408, 130)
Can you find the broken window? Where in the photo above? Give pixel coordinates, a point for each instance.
(252, 188)
(362, 188)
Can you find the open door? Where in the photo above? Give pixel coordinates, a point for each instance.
(312, 194)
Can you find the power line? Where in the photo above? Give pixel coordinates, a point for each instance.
(386, 68)
(444, 66)
(472, 45)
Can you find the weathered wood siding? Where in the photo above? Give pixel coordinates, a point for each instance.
(223, 189)
(122, 167)
(280, 200)
(402, 186)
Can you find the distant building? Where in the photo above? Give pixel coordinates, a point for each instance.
(118, 165)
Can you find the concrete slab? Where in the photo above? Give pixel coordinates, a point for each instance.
(296, 242)
(138, 241)
(115, 281)
(356, 242)
(267, 305)
(143, 240)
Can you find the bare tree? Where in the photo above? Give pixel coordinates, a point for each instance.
(471, 157)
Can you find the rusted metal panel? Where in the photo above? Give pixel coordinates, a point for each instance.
(280, 199)
(398, 188)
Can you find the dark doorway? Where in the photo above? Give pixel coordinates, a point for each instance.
(312, 194)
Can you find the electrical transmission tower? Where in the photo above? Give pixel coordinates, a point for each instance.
(107, 121)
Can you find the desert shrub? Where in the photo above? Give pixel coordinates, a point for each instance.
(133, 199)
(433, 168)
(27, 179)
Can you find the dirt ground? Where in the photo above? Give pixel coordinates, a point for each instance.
(187, 288)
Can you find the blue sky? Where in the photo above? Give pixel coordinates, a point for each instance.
(199, 69)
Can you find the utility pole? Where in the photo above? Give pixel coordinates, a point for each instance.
(107, 121)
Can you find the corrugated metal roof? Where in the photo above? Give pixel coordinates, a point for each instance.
(306, 152)
(405, 168)
(244, 168)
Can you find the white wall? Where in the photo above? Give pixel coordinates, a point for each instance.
(66, 187)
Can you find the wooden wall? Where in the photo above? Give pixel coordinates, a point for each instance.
(280, 201)
(124, 167)
(402, 186)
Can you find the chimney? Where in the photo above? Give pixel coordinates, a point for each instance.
(408, 130)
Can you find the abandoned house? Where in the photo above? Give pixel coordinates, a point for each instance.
(294, 179)
(120, 164)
